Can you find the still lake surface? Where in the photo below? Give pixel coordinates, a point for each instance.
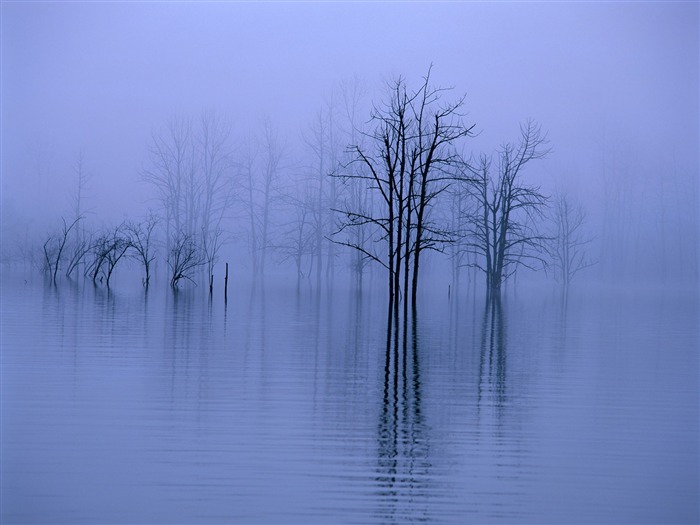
(287, 407)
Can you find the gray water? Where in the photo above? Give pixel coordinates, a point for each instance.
(288, 407)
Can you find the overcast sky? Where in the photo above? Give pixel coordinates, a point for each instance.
(99, 76)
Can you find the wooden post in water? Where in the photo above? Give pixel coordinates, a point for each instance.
(226, 285)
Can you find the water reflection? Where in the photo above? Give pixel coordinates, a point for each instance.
(177, 335)
(492, 357)
(515, 413)
(403, 457)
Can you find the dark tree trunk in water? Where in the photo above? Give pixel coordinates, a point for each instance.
(412, 160)
(226, 285)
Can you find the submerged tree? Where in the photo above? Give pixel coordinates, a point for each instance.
(297, 238)
(118, 245)
(141, 241)
(261, 165)
(190, 166)
(501, 229)
(81, 243)
(171, 172)
(215, 164)
(568, 240)
(184, 257)
(409, 161)
(356, 193)
(108, 249)
(54, 248)
(79, 250)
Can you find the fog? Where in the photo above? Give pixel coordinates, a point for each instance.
(208, 207)
(613, 85)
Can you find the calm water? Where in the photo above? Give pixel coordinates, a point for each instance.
(288, 408)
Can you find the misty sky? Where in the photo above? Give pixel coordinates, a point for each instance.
(101, 76)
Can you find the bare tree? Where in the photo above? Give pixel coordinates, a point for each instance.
(262, 166)
(140, 236)
(250, 200)
(355, 193)
(108, 249)
(409, 162)
(317, 141)
(216, 165)
(100, 247)
(568, 241)
(191, 167)
(83, 176)
(322, 139)
(435, 158)
(359, 197)
(273, 152)
(118, 245)
(184, 257)
(211, 244)
(54, 248)
(459, 209)
(80, 248)
(501, 229)
(171, 172)
(297, 235)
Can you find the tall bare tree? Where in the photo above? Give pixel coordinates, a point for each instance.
(216, 166)
(81, 244)
(501, 229)
(248, 166)
(355, 193)
(191, 168)
(262, 165)
(297, 237)
(317, 141)
(409, 161)
(83, 175)
(171, 173)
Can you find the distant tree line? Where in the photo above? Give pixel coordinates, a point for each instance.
(384, 190)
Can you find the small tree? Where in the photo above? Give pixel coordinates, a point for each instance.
(140, 237)
(80, 248)
(118, 244)
(100, 246)
(184, 257)
(108, 249)
(54, 248)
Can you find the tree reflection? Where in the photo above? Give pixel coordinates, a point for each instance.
(403, 449)
(492, 360)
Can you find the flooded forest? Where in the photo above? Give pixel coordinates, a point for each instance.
(349, 263)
